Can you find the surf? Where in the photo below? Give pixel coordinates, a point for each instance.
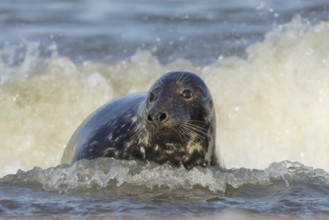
(271, 105)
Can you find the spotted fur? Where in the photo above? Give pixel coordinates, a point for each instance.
(173, 123)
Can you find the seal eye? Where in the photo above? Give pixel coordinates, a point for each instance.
(187, 94)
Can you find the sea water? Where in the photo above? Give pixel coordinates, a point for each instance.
(266, 64)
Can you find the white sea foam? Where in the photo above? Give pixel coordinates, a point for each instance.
(134, 176)
(274, 105)
(271, 106)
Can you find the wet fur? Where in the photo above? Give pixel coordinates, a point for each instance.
(120, 129)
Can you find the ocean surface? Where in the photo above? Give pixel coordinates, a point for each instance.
(266, 64)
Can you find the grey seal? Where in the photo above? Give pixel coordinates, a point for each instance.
(174, 122)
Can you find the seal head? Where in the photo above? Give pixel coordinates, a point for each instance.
(180, 120)
(174, 122)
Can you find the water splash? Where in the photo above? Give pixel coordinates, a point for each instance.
(20, 61)
(271, 106)
(108, 173)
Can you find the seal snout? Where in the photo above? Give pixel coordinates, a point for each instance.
(157, 117)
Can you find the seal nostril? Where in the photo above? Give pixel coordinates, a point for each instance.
(163, 116)
(149, 117)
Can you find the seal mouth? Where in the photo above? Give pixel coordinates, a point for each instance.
(165, 130)
(162, 130)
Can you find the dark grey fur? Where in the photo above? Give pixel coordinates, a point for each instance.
(174, 122)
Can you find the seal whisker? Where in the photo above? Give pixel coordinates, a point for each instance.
(138, 135)
(199, 133)
(186, 77)
(191, 130)
(180, 133)
(196, 127)
(192, 133)
(197, 121)
(136, 131)
(179, 78)
(186, 131)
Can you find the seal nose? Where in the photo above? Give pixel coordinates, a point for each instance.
(157, 117)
